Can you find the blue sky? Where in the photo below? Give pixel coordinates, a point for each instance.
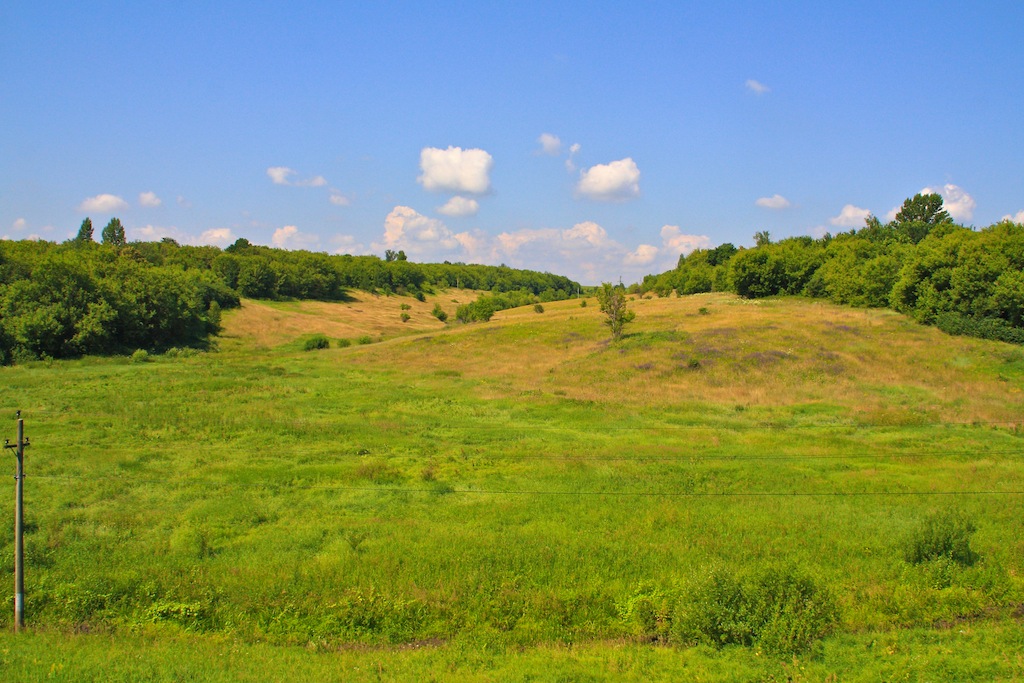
(595, 140)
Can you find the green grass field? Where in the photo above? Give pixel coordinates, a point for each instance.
(522, 500)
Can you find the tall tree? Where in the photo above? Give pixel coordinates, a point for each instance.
(113, 233)
(923, 208)
(85, 232)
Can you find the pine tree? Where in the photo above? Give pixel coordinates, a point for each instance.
(114, 233)
(85, 232)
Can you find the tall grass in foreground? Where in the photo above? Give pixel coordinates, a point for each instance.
(426, 491)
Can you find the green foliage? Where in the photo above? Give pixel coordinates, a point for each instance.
(344, 343)
(316, 342)
(439, 313)
(84, 235)
(538, 308)
(365, 339)
(780, 609)
(113, 233)
(922, 264)
(944, 534)
(612, 301)
(404, 317)
(139, 356)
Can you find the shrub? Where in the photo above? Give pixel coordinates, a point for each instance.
(583, 303)
(538, 308)
(439, 313)
(343, 343)
(139, 356)
(781, 609)
(405, 307)
(365, 339)
(944, 534)
(405, 317)
(317, 341)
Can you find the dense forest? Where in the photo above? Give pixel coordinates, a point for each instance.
(921, 263)
(83, 297)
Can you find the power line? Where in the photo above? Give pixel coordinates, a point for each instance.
(540, 492)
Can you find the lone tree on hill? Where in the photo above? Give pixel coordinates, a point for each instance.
(113, 233)
(85, 232)
(612, 301)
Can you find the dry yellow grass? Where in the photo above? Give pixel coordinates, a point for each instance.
(270, 324)
(878, 365)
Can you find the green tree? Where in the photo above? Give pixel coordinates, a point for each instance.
(85, 232)
(113, 233)
(612, 301)
(924, 208)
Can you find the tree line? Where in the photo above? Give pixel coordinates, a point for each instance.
(81, 297)
(921, 263)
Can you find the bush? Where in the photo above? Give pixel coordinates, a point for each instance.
(538, 308)
(783, 610)
(944, 534)
(365, 339)
(405, 307)
(583, 303)
(139, 356)
(439, 313)
(317, 341)
(405, 317)
(343, 343)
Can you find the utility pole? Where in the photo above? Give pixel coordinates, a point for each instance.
(19, 526)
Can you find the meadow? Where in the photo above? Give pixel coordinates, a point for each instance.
(731, 492)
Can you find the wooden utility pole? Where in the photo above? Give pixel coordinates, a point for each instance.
(19, 526)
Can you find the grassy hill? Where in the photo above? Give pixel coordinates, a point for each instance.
(524, 498)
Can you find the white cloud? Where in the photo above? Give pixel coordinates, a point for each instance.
(290, 237)
(776, 201)
(103, 203)
(550, 144)
(643, 255)
(419, 235)
(676, 242)
(1016, 218)
(617, 181)
(149, 199)
(955, 200)
(346, 244)
(459, 206)
(570, 163)
(19, 224)
(220, 237)
(456, 170)
(338, 199)
(850, 217)
(756, 87)
(282, 175)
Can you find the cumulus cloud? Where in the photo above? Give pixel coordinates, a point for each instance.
(338, 199)
(459, 206)
(617, 181)
(1016, 218)
(19, 224)
(955, 200)
(457, 170)
(290, 237)
(676, 242)
(282, 175)
(219, 237)
(550, 144)
(850, 217)
(346, 244)
(418, 235)
(149, 199)
(776, 201)
(103, 203)
(756, 87)
(643, 255)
